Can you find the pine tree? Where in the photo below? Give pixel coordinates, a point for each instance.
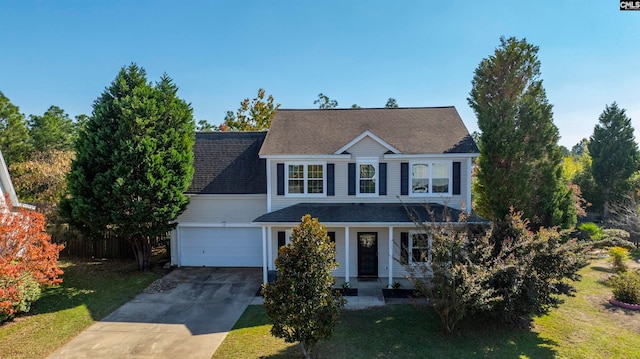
(15, 143)
(614, 154)
(134, 161)
(54, 130)
(520, 164)
(254, 115)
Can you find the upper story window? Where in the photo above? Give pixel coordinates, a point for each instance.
(305, 178)
(430, 178)
(367, 172)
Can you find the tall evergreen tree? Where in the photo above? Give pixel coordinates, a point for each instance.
(614, 154)
(15, 142)
(520, 164)
(134, 161)
(54, 130)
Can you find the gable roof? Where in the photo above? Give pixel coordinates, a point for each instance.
(228, 163)
(424, 130)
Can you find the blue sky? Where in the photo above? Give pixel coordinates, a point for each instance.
(422, 53)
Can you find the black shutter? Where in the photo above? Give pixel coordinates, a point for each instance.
(456, 178)
(280, 174)
(282, 239)
(352, 179)
(404, 178)
(331, 187)
(382, 190)
(332, 236)
(404, 247)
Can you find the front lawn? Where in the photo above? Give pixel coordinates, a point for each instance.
(90, 291)
(586, 326)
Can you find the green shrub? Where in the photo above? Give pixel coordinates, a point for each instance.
(618, 256)
(626, 287)
(22, 291)
(615, 238)
(593, 231)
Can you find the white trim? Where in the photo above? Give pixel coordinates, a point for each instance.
(305, 178)
(426, 156)
(333, 158)
(430, 164)
(346, 253)
(227, 196)
(219, 224)
(265, 271)
(390, 256)
(270, 248)
(366, 133)
(375, 161)
(468, 186)
(268, 186)
(363, 224)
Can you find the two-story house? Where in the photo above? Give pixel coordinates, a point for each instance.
(367, 174)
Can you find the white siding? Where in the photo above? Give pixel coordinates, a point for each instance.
(393, 188)
(224, 208)
(367, 147)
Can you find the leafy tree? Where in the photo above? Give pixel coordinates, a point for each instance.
(15, 142)
(28, 259)
(520, 162)
(42, 179)
(614, 153)
(391, 103)
(134, 161)
(531, 269)
(205, 126)
(456, 279)
(54, 130)
(300, 302)
(324, 102)
(355, 106)
(253, 115)
(579, 148)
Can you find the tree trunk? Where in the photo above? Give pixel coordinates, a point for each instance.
(305, 351)
(605, 210)
(141, 251)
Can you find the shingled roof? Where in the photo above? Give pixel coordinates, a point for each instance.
(228, 163)
(366, 213)
(427, 130)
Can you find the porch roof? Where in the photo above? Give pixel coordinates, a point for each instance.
(408, 213)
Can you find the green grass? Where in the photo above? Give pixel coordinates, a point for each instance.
(586, 326)
(89, 292)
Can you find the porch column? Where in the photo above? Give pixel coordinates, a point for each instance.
(346, 254)
(468, 187)
(390, 256)
(269, 249)
(264, 255)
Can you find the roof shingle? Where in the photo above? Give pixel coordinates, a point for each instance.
(228, 163)
(427, 130)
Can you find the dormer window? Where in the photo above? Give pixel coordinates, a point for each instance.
(305, 178)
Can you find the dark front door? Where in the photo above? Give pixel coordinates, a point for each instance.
(367, 254)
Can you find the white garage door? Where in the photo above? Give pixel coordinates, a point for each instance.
(221, 247)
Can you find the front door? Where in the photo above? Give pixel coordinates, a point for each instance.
(367, 254)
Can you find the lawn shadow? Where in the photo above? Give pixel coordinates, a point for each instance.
(100, 285)
(603, 269)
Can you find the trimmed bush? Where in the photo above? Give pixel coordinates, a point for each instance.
(618, 256)
(592, 230)
(626, 287)
(17, 294)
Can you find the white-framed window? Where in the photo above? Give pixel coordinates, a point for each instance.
(430, 178)
(367, 176)
(419, 248)
(308, 178)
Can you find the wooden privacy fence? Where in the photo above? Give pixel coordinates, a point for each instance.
(105, 246)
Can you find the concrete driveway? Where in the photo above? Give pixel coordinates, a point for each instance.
(187, 321)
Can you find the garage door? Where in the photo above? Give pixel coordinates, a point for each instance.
(221, 247)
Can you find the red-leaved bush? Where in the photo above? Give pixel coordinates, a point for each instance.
(28, 259)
